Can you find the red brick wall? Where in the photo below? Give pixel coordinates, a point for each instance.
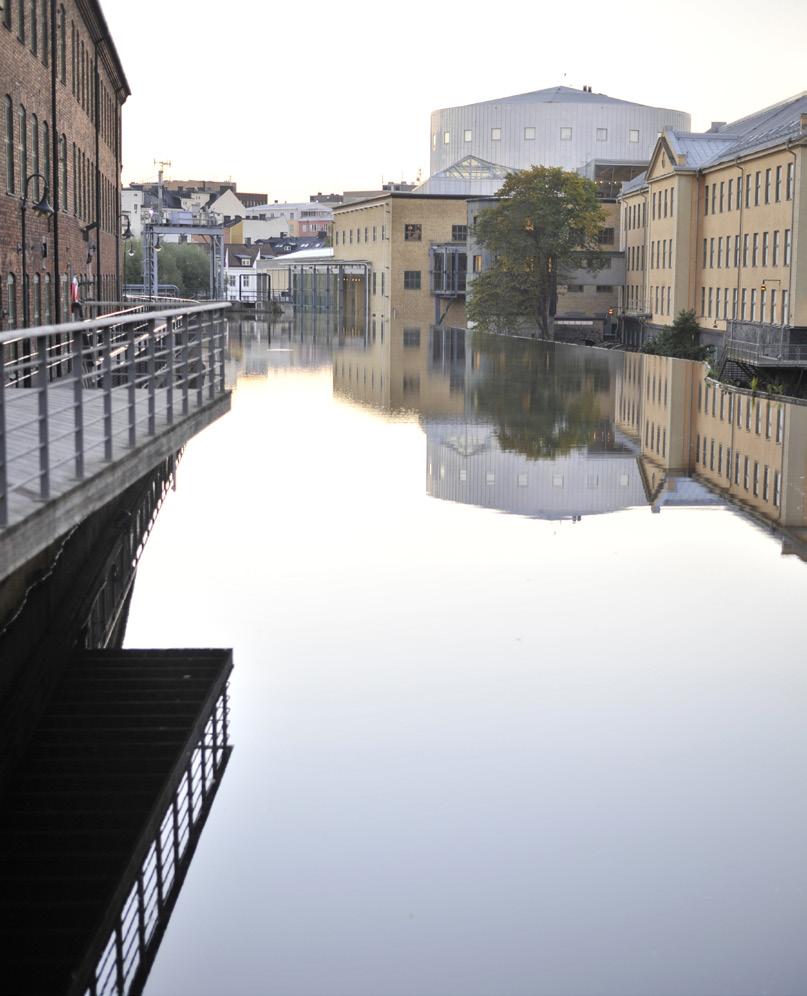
(26, 80)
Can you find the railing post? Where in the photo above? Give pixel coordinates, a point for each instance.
(200, 380)
(107, 341)
(3, 444)
(119, 977)
(186, 365)
(78, 401)
(42, 398)
(169, 406)
(211, 355)
(221, 324)
(152, 346)
(131, 385)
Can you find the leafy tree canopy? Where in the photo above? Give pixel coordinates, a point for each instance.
(548, 220)
(680, 341)
(186, 265)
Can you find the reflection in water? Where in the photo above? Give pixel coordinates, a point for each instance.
(109, 761)
(487, 753)
(552, 430)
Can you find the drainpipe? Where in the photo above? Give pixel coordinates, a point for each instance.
(54, 163)
(742, 205)
(97, 116)
(792, 238)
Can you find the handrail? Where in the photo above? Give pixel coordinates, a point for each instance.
(65, 328)
(78, 394)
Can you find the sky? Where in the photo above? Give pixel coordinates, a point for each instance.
(290, 98)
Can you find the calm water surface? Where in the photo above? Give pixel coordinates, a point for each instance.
(519, 694)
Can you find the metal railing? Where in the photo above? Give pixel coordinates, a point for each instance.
(761, 344)
(130, 949)
(86, 391)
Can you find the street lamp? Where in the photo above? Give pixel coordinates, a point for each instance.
(42, 208)
(128, 234)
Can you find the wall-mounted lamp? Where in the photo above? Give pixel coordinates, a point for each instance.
(85, 231)
(128, 233)
(158, 245)
(90, 253)
(130, 251)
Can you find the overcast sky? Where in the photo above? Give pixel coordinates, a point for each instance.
(291, 98)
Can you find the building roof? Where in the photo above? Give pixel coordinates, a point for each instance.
(559, 95)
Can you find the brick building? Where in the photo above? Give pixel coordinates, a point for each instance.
(62, 87)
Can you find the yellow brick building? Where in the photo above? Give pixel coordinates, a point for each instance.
(718, 225)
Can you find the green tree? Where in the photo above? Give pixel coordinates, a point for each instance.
(185, 265)
(680, 341)
(547, 222)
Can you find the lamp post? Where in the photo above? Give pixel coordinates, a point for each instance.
(42, 208)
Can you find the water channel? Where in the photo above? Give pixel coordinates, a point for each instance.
(519, 694)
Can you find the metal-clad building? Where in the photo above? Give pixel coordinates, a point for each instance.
(559, 126)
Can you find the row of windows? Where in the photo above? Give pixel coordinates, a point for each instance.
(347, 234)
(33, 29)
(375, 282)
(523, 479)
(39, 289)
(656, 389)
(663, 203)
(706, 452)
(580, 288)
(746, 305)
(655, 438)
(727, 406)
(761, 187)
(414, 233)
(661, 297)
(661, 254)
(635, 297)
(757, 249)
(28, 153)
(636, 215)
(635, 257)
(566, 134)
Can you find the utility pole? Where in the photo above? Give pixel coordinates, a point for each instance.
(160, 164)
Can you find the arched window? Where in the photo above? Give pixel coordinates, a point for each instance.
(23, 140)
(11, 301)
(10, 156)
(45, 32)
(35, 155)
(35, 26)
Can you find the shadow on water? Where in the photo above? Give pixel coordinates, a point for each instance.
(110, 760)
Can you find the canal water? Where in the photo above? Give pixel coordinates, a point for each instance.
(520, 689)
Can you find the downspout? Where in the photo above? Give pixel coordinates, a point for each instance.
(97, 115)
(55, 164)
(740, 260)
(792, 239)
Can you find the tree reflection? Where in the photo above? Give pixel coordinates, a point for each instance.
(545, 399)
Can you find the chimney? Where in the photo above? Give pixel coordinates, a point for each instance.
(717, 125)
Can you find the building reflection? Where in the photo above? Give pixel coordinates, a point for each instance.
(736, 446)
(110, 760)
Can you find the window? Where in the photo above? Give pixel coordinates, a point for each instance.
(23, 140)
(755, 250)
(467, 135)
(777, 488)
(736, 468)
(785, 307)
(775, 259)
(767, 186)
(529, 134)
(575, 288)
(411, 279)
(21, 21)
(6, 8)
(722, 189)
(10, 176)
(748, 191)
(753, 315)
(739, 200)
(446, 137)
(45, 52)
(743, 302)
(34, 19)
(63, 148)
(773, 306)
(477, 264)
(605, 237)
(434, 141)
(602, 134)
(730, 194)
(633, 135)
(757, 186)
(746, 474)
(495, 134)
(605, 288)
(413, 233)
(565, 134)
(745, 249)
(765, 483)
(789, 183)
(706, 199)
(788, 246)
(411, 338)
(459, 233)
(11, 301)
(382, 294)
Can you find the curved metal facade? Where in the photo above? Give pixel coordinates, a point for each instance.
(594, 125)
